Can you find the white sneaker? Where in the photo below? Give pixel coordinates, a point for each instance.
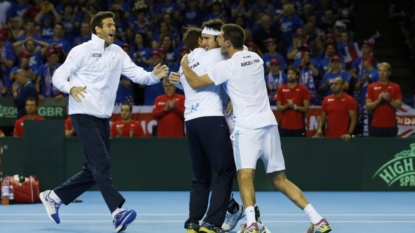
(232, 219)
(262, 228)
(51, 206)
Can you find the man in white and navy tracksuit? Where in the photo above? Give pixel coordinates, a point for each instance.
(91, 75)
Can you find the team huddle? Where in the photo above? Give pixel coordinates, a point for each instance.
(226, 105)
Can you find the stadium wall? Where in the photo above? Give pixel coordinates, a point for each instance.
(164, 164)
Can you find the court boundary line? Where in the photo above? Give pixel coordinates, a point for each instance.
(149, 221)
(398, 215)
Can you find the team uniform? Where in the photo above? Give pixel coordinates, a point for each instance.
(337, 110)
(292, 124)
(256, 131)
(209, 142)
(18, 125)
(384, 115)
(170, 123)
(126, 128)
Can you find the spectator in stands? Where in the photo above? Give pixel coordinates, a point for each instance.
(308, 74)
(23, 88)
(70, 21)
(125, 92)
(29, 31)
(241, 8)
(254, 48)
(248, 36)
(152, 91)
(289, 23)
(19, 8)
(58, 38)
(297, 46)
(85, 34)
(15, 28)
(357, 66)
(163, 30)
(383, 99)
(347, 13)
(330, 52)
(169, 112)
(31, 106)
(142, 51)
(141, 25)
(69, 130)
(334, 71)
(274, 78)
(6, 64)
(368, 76)
(4, 11)
(172, 56)
(45, 73)
(193, 14)
(169, 7)
(344, 41)
(36, 49)
(24, 64)
(293, 100)
(327, 21)
(126, 127)
(267, 30)
(318, 49)
(271, 44)
(47, 20)
(339, 110)
(216, 12)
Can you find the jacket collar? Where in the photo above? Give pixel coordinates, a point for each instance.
(98, 41)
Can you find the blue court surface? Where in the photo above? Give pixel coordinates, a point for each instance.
(347, 212)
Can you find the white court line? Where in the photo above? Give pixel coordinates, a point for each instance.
(187, 214)
(147, 221)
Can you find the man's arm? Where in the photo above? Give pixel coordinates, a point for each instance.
(305, 107)
(192, 78)
(353, 121)
(397, 104)
(71, 64)
(179, 109)
(321, 122)
(159, 111)
(139, 75)
(280, 107)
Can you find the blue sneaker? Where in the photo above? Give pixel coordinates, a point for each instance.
(51, 206)
(123, 218)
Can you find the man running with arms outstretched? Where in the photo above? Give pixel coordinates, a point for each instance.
(256, 131)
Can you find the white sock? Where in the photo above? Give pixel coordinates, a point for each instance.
(312, 214)
(116, 211)
(250, 215)
(54, 197)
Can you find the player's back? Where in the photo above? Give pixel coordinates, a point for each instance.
(247, 90)
(204, 101)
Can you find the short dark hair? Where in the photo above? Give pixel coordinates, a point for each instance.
(32, 99)
(191, 37)
(97, 19)
(60, 24)
(129, 106)
(214, 24)
(235, 34)
(294, 69)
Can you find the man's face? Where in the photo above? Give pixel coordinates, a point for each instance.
(125, 112)
(166, 43)
(266, 22)
(25, 61)
(155, 59)
(272, 47)
(292, 76)
(209, 42)
(31, 107)
(384, 73)
(169, 88)
(344, 37)
(20, 79)
(222, 44)
(30, 45)
(58, 31)
(30, 27)
(337, 85)
(330, 50)
(53, 59)
(336, 65)
(107, 32)
(366, 64)
(275, 68)
(366, 49)
(85, 29)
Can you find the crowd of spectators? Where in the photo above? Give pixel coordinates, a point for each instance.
(314, 36)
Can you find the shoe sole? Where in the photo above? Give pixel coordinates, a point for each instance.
(45, 204)
(129, 219)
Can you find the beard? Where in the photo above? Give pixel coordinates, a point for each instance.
(223, 51)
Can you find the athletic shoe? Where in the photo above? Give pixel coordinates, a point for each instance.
(254, 228)
(122, 219)
(321, 227)
(232, 219)
(209, 228)
(193, 228)
(51, 206)
(261, 226)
